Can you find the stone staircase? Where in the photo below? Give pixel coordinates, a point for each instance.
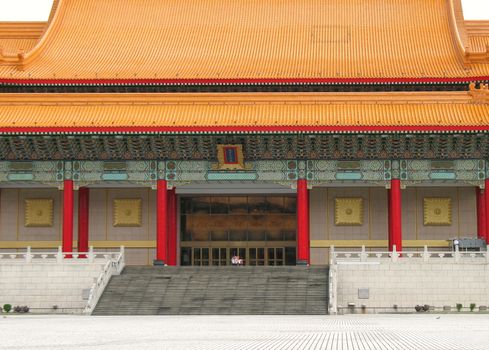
(232, 290)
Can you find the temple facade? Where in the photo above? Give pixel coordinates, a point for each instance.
(193, 131)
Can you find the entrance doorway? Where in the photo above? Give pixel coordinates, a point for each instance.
(251, 256)
(261, 230)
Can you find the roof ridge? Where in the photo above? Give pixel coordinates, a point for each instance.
(309, 98)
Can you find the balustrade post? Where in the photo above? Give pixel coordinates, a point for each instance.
(59, 255)
(457, 253)
(28, 255)
(91, 255)
(123, 254)
(363, 254)
(394, 254)
(426, 255)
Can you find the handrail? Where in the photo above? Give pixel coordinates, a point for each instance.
(113, 267)
(394, 256)
(333, 284)
(56, 257)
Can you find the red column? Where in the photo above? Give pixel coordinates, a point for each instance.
(481, 213)
(389, 221)
(161, 222)
(172, 227)
(485, 198)
(395, 221)
(83, 199)
(302, 222)
(68, 216)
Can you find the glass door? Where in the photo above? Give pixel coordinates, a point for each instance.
(219, 257)
(256, 256)
(275, 256)
(201, 257)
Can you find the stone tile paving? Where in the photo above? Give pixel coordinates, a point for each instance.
(364, 332)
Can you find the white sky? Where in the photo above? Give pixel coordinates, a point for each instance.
(38, 10)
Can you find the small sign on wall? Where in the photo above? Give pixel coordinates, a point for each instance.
(363, 293)
(230, 157)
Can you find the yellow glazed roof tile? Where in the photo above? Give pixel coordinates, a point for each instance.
(251, 39)
(19, 36)
(238, 110)
(478, 32)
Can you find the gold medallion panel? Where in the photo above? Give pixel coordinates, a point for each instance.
(437, 211)
(127, 212)
(348, 212)
(38, 212)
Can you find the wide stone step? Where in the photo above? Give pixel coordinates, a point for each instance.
(247, 290)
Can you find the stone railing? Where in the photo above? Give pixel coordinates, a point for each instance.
(113, 267)
(364, 257)
(58, 257)
(425, 255)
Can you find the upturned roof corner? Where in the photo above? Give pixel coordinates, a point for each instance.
(471, 37)
(481, 94)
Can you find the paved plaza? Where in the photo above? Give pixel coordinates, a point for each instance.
(420, 332)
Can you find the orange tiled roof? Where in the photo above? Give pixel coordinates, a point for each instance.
(236, 110)
(478, 32)
(19, 36)
(253, 39)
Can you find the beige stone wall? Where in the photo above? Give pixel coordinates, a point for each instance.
(101, 221)
(374, 227)
(12, 214)
(464, 213)
(12, 210)
(411, 282)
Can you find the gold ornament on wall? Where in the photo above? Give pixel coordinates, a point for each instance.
(38, 212)
(127, 212)
(348, 211)
(437, 211)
